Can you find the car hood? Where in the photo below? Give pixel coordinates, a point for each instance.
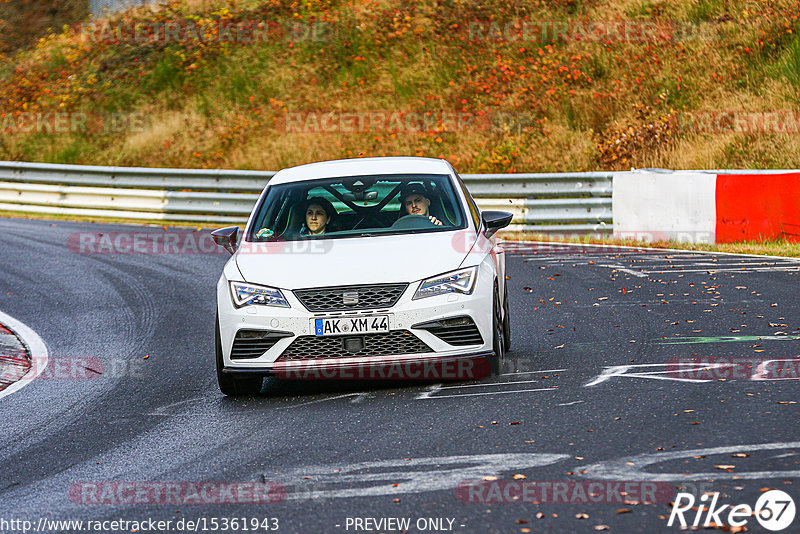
(351, 261)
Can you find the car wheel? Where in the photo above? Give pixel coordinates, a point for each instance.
(498, 341)
(229, 385)
(506, 320)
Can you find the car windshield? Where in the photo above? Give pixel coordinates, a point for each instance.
(358, 206)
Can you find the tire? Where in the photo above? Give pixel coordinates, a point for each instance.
(506, 320)
(498, 338)
(229, 385)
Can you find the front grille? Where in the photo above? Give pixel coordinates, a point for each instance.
(254, 343)
(459, 331)
(324, 299)
(395, 342)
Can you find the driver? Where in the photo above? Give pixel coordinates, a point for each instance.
(414, 200)
(319, 213)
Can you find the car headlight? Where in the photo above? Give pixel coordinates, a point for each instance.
(250, 294)
(460, 281)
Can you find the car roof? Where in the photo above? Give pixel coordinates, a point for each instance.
(361, 167)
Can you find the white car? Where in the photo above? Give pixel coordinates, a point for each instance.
(334, 278)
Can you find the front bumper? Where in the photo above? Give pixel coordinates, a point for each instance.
(289, 324)
(471, 366)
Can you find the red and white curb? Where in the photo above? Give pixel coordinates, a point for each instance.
(23, 355)
(705, 207)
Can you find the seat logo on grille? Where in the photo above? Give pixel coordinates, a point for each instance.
(350, 297)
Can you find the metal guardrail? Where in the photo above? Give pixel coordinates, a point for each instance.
(572, 202)
(99, 7)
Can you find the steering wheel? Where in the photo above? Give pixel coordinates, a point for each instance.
(412, 222)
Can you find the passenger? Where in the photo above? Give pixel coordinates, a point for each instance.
(319, 213)
(414, 200)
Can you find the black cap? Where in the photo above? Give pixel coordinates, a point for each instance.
(414, 188)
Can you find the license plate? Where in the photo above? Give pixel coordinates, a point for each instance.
(337, 326)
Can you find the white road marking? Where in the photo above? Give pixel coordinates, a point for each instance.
(716, 264)
(489, 384)
(785, 455)
(640, 274)
(489, 393)
(534, 372)
(722, 270)
(167, 410)
(326, 399)
(622, 371)
(431, 390)
(633, 468)
(36, 348)
(570, 403)
(399, 476)
(761, 370)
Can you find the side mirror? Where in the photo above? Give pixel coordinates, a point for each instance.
(227, 237)
(495, 220)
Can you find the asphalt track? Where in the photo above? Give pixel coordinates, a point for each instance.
(590, 393)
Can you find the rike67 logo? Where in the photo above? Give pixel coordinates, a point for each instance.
(774, 510)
